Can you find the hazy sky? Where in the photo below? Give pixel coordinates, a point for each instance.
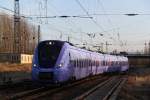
(130, 30)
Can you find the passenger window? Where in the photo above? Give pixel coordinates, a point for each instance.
(83, 63)
(102, 63)
(77, 63)
(80, 63)
(106, 63)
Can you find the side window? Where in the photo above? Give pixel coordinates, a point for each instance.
(80, 63)
(96, 63)
(83, 62)
(104, 63)
(77, 63)
(72, 63)
(70, 56)
(99, 63)
(90, 62)
(86, 63)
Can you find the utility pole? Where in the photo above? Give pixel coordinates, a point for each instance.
(107, 44)
(102, 46)
(149, 48)
(39, 33)
(145, 50)
(68, 38)
(17, 34)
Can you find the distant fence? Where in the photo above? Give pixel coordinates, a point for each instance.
(6, 77)
(15, 58)
(139, 60)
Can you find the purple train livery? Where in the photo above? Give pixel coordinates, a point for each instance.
(59, 61)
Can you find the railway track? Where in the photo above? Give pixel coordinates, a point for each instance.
(6, 90)
(39, 93)
(107, 90)
(9, 85)
(97, 87)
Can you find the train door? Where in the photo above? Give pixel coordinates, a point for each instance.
(98, 67)
(91, 64)
(88, 64)
(102, 68)
(75, 64)
(81, 67)
(94, 65)
(105, 63)
(84, 67)
(71, 64)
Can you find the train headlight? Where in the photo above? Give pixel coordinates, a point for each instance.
(60, 65)
(34, 65)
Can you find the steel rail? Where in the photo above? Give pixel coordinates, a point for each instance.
(113, 86)
(81, 97)
(40, 92)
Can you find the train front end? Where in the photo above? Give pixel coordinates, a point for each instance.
(44, 60)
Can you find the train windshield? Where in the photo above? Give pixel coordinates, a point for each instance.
(48, 53)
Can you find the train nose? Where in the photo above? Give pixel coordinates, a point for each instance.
(46, 76)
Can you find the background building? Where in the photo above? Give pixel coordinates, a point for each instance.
(28, 39)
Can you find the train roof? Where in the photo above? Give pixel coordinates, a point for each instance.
(81, 49)
(58, 41)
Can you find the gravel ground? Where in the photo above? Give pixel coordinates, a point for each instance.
(7, 67)
(137, 86)
(14, 72)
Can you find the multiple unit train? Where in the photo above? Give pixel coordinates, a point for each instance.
(59, 61)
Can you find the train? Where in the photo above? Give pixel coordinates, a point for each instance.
(58, 61)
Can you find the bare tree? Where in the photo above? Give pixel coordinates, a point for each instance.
(28, 33)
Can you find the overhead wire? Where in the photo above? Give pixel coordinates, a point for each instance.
(87, 13)
(98, 25)
(70, 22)
(82, 7)
(4, 8)
(108, 19)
